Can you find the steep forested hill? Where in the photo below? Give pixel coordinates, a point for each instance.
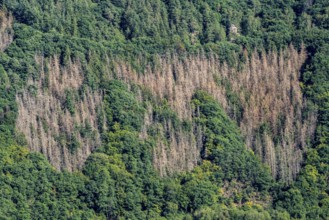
(164, 109)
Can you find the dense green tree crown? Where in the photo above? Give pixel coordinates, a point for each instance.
(118, 180)
(156, 26)
(184, 23)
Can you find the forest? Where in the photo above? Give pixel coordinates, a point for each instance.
(164, 109)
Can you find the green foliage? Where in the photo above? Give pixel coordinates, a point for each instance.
(31, 188)
(224, 146)
(118, 180)
(121, 106)
(158, 25)
(69, 102)
(307, 197)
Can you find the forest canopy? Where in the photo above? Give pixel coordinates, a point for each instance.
(119, 180)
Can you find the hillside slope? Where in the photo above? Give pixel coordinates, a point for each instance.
(164, 109)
